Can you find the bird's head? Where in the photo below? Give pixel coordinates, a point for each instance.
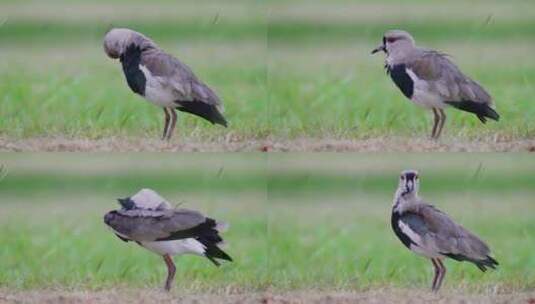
(395, 40)
(409, 183)
(110, 218)
(118, 39)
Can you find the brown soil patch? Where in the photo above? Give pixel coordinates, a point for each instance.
(381, 144)
(378, 296)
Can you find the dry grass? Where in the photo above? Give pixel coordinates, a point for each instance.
(379, 295)
(402, 144)
(230, 143)
(129, 144)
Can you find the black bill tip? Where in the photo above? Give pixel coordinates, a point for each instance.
(378, 49)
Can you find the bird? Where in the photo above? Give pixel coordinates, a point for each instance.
(429, 232)
(431, 80)
(162, 79)
(149, 220)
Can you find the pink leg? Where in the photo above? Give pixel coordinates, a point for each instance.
(173, 124)
(171, 270)
(442, 273)
(435, 122)
(442, 121)
(167, 118)
(437, 274)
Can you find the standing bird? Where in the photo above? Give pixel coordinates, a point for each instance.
(427, 231)
(162, 79)
(431, 80)
(150, 221)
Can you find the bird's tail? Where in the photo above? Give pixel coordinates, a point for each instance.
(210, 239)
(204, 110)
(487, 262)
(482, 264)
(482, 110)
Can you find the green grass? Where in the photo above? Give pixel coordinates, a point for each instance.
(330, 220)
(283, 69)
(297, 221)
(320, 60)
(57, 81)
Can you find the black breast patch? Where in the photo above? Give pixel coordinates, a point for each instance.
(395, 221)
(134, 76)
(399, 75)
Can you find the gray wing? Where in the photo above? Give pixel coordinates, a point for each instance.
(444, 77)
(440, 234)
(153, 225)
(173, 74)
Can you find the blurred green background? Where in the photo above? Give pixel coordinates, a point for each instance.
(284, 69)
(297, 221)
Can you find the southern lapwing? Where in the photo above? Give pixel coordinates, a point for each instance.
(427, 231)
(150, 221)
(162, 79)
(431, 80)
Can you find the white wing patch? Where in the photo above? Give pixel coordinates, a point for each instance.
(156, 90)
(423, 95)
(415, 238)
(421, 247)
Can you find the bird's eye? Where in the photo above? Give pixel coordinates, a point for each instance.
(416, 177)
(391, 39)
(402, 176)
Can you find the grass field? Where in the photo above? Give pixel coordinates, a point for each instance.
(343, 205)
(53, 236)
(55, 79)
(319, 60)
(299, 222)
(286, 70)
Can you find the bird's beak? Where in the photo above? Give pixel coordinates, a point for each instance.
(379, 48)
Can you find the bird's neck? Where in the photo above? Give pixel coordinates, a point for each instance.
(399, 55)
(402, 200)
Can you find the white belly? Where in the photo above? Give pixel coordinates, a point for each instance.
(178, 247)
(425, 252)
(423, 96)
(426, 99)
(156, 93)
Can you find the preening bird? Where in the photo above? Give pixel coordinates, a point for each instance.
(427, 231)
(431, 80)
(149, 220)
(162, 79)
